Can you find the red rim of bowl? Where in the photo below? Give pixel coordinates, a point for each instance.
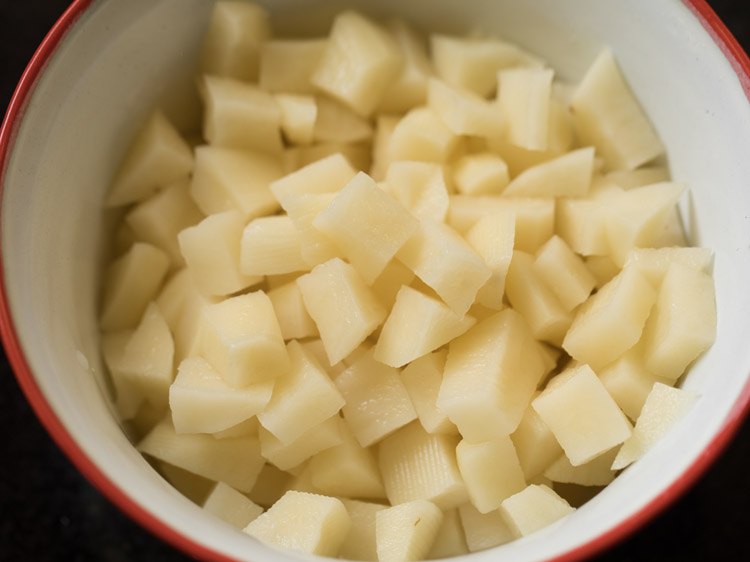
(13, 117)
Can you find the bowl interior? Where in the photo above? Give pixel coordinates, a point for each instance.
(123, 58)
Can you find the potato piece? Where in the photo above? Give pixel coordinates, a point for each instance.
(603, 268)
(419, 465)
(377, 402)
(450, 539)
(193, 487)
(271, 246)
(127, 399)
(409, 89)
(481, 174)
(236, 31)
(524, 98)
(312, 441)
(654, 263)
(422, 136)
(306, 522)
(336, 122)
(157, 156)
(596, 472)
(286, 65)
(420, 187)
(598, 424)
(422, 378)
(359, 62)
(568, 175)
(298, 116)
(202, 402)
(532, 509)
(492, 237)
(536, 446)
(294, 321)
(564, 273)
(483, 530)
(240, 337)
(389, 282)
(271, 484)
(327, 175)
(628, 179)
(465, 113)
(360, 542)
(244, 428)
(130, 283)
(231, 506)
(407, 531)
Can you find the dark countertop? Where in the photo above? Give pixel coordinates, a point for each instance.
(48, 512)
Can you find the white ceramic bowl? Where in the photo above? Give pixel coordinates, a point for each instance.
(107, 62)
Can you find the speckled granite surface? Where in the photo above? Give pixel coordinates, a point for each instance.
(48, 512)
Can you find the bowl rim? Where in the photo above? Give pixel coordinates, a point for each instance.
(22, 95)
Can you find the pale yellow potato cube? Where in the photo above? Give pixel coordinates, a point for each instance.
(531, 296)
(564, 273)
(536, 446)
(130, 283)
(483, 530)
(159, 219)
(248, 427)
(490, 375)
(271, 246)
(377, 402)
(312, 441)
(212, 253)
(611, 321)
(409, 89)
(202, 402)
(446, 263)
(654, 263)
(359, 62)
(367, 224)
(628, 179)
(596, 472)
(407, 531)
(240, 115)
(301, 481)
(608, 116)
(381, 155)
(532, 509)
(485, 173)
(524, 98)
(472, 63)
(302, 397)
(664, 407)
(186, 316)
(235, 461)
(315, 247)
(491, 471)
(492, 237)
(356, 153)
(236, 31)
(360, 542)
(299, 114)
(306, 522)
(344, 308)
(422, 378)
(417, 325)
(240, 337)
(193, 487)
(420, 187)
(419, 465)
(127, 397)
(603, 268)
(683, 322)
(568, 175)
(157, 156)
(286, 65)
(327, 175)
(294, 321)
(227, 179)
(271, 484)
(347, 469)
(450, 540)
(579, 411)
(464, 112)
(231, 506)
(422, 136)
(389, 282)
(336, 122)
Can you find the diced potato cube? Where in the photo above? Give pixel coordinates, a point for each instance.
(381, 155)
(483, 530)
(247, 427)
(579, 411)
(298, 117)
(315, 247)
(490, 375)
(417, 325)
(127, 397)
(420, 135)
(450, 540)
(608, 116)
(271, 246)
(407, 531)
(596, 472)
(446, 263)
(227, 179)
(193, 487)
(130, 283)
(356, 153)
(628, 179)
(302, 397)
(327, 175)
(212, 253)
(377, 402)
(492, 237)
(235, 461)
(202, 402)
(664, 407)
(603, 268)
(419, 465)
(360, 542)
(231, 506)
(524, 98)
(157, 156)
(317, 438)
(286, 65)
(347, 469)
(564, 273)
(568, 175)
(611, 321)
(359, 62)
(241, 339)
(420, 187)
(236, 31)
(422, 378)
(294, 321)
(481, 174)
(654, 263)
(367, 224)
(532, 509)
(463, 112)
(335, 122)
(307, 522)
(389, 283)
(683, 322)
(536, 446)
(491, 471)
(343, 307)
(240, 115)
(409, 89)
(270, 485)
